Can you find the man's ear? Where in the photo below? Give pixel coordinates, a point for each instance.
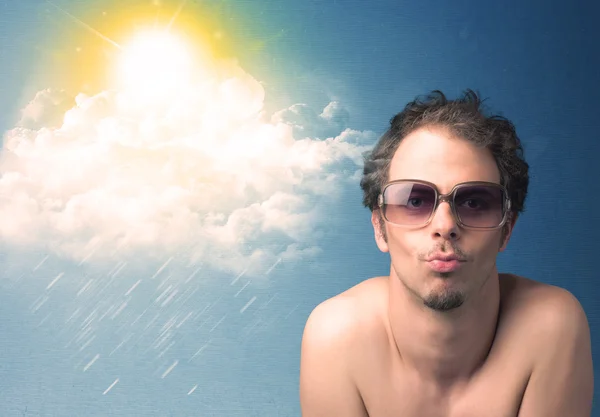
(379, 229)
(507, 231)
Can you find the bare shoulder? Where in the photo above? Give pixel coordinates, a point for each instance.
(331, 343)
(546, 321)
(546, 306)
(343, 321)
(553, 330)
(345, 314)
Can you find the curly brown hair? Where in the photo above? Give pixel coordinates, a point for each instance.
(465, 117)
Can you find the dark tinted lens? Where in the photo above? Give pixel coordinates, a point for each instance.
(408, 203)
(480, 206)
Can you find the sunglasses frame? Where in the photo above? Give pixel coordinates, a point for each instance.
(448, 198)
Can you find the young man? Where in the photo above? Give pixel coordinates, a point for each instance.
(446, 335)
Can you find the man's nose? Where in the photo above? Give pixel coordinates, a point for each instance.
(444, 224)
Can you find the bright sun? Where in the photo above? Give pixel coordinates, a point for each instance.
(155, 64)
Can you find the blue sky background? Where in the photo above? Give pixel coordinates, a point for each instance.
(236, 337)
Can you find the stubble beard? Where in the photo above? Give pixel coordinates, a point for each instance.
(444, 301)
(451, 299)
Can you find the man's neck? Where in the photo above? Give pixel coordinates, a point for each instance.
(444, 348)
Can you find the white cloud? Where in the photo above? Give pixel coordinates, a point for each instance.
(306, 123)
(204, 174)
(46, 109)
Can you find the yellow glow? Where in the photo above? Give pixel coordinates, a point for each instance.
(156, 64)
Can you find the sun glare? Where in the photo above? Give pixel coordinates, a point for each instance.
(155, 64)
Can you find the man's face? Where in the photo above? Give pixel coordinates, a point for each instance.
(436, 156)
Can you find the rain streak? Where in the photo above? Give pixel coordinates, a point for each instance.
(167, 318)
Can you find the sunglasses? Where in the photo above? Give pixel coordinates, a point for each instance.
(475, 205)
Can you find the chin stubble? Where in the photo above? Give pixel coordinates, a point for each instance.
(444, 302)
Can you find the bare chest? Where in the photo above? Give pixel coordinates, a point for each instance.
(492, 399)
(495, 391)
